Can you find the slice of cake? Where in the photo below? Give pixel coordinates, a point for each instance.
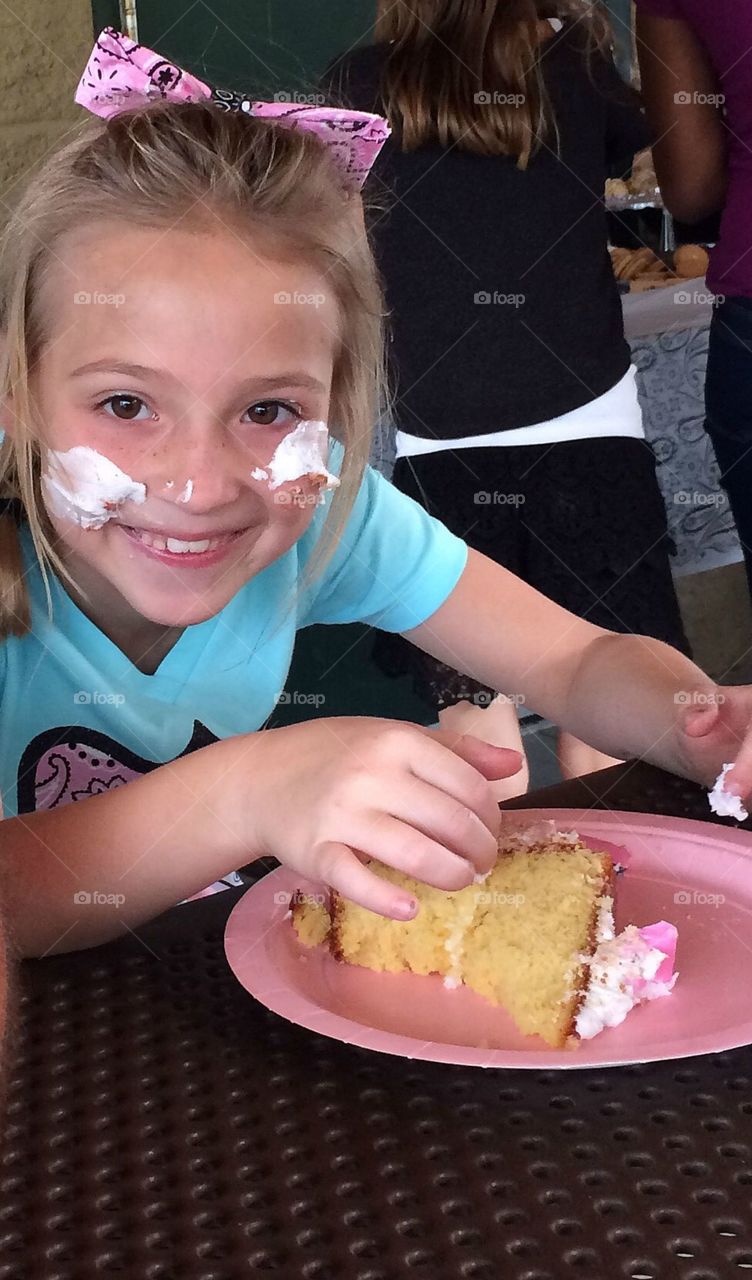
(535, 935)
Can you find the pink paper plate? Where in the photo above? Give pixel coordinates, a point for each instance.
(696, 875)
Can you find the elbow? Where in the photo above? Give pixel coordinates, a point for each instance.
(36, 940)
(691, 208)
(692, 201)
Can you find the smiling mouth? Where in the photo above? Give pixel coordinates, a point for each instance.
(181, 546)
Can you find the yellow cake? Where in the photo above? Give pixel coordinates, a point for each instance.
(536, 936)
(522, 937)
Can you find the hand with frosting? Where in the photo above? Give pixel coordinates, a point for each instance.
(714, 731)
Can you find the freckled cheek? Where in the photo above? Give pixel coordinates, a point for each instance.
(80, 426)
(259, 443)
(290, 508)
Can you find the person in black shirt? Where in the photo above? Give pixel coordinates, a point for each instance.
(505, 316)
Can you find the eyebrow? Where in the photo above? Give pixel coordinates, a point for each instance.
(293, 377)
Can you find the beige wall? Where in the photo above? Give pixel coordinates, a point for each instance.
(44, 45)
(718, 621)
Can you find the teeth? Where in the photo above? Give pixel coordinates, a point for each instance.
(177, 545)
(153, 540)
(174, 544)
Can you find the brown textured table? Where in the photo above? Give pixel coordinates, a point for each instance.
(161, 1125)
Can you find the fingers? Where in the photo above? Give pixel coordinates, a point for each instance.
(453, 825)
(460, 773)
(699, 721)
(414, 799)
(340, 868)
(493, 762)
(739, 779)
(398, 844)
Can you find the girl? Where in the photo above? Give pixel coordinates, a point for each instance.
(516, 407)
(698, 88)
(187, 298)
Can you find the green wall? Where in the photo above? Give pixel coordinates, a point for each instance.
(268, 46)
(260, 46)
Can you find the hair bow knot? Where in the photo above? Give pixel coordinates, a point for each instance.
(122, 74)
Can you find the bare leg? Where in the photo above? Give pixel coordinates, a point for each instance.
(497, 724)
(577, 758)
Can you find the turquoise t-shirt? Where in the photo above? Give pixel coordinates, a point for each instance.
(77, 717)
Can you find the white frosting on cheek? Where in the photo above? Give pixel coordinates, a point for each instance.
(303, 452)
(724, 802)
(187, 493)
(83, 486)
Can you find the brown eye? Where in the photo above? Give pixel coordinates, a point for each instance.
(126, 408)
(265, 413)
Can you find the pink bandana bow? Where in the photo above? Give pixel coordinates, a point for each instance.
(121, 74)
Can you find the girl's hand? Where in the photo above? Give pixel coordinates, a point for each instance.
(716, 729)
(323, 795)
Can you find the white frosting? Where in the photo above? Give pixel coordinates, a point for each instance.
(622, 970)
(543, 832)
(604, 925)
(454, 943)
(258, 473)
(187, 493)
(83, 486)
(303, 452)
(723, 802)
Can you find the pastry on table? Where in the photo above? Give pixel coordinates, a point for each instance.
(691, 260)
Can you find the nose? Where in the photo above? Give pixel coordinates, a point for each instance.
(202, 469)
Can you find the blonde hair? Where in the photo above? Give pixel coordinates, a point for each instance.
(193, 163)
(467, 73)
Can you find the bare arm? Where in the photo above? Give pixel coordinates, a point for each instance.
(309, 794)
(80, 875)
(680, 90)
(618, 693)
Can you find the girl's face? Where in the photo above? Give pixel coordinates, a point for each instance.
(184, 358)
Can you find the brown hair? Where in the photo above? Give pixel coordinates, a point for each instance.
(155, 166)
(467, 73)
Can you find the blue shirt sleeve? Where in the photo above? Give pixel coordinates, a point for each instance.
(392, 568)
